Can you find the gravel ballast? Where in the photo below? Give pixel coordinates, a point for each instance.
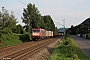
(46, 52)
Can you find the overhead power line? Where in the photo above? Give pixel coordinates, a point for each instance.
(22, 2)
(58, 23)
(25, 2)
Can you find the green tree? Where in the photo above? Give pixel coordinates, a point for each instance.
(7, 20)
(31, 17)
(18, 29)
(52, 25)
(42, 22)
(56, 29)
(48, 23)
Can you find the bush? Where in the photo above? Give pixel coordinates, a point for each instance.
(8, 38)
(18, 29)
(66, 35)
(25, 37)
(69, 42)
(6, 31)
(68, 50)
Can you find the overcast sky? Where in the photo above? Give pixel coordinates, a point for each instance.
(73, 11)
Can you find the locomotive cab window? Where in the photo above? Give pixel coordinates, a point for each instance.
(36, 31)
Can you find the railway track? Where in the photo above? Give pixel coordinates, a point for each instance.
(23, 54)
(9, 49)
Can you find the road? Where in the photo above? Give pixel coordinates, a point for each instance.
(84, 44)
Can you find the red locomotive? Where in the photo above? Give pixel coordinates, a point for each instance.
(38, 33)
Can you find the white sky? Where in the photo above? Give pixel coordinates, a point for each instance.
(73, 11)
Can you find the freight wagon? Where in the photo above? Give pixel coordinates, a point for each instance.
(38, 33)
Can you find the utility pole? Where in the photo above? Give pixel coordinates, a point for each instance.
(64, 25)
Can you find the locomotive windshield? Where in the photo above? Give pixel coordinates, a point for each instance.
(36, 31)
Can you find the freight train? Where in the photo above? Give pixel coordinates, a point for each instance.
(38, 33)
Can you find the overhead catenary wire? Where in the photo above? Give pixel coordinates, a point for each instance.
(29, 15)
(25, 2)
(22, 2)
(58, 23)
(15, 13)
(62, 24)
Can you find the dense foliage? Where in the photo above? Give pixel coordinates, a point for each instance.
(8, 38)
(68, 50)
(86, 21)
(11, 33)
(82, 28)
(6, 19)
(33, 19)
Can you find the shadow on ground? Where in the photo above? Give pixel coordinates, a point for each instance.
(50, 50)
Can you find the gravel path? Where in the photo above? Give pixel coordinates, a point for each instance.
(84, 44)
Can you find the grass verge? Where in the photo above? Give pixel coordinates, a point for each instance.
(68, 50)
